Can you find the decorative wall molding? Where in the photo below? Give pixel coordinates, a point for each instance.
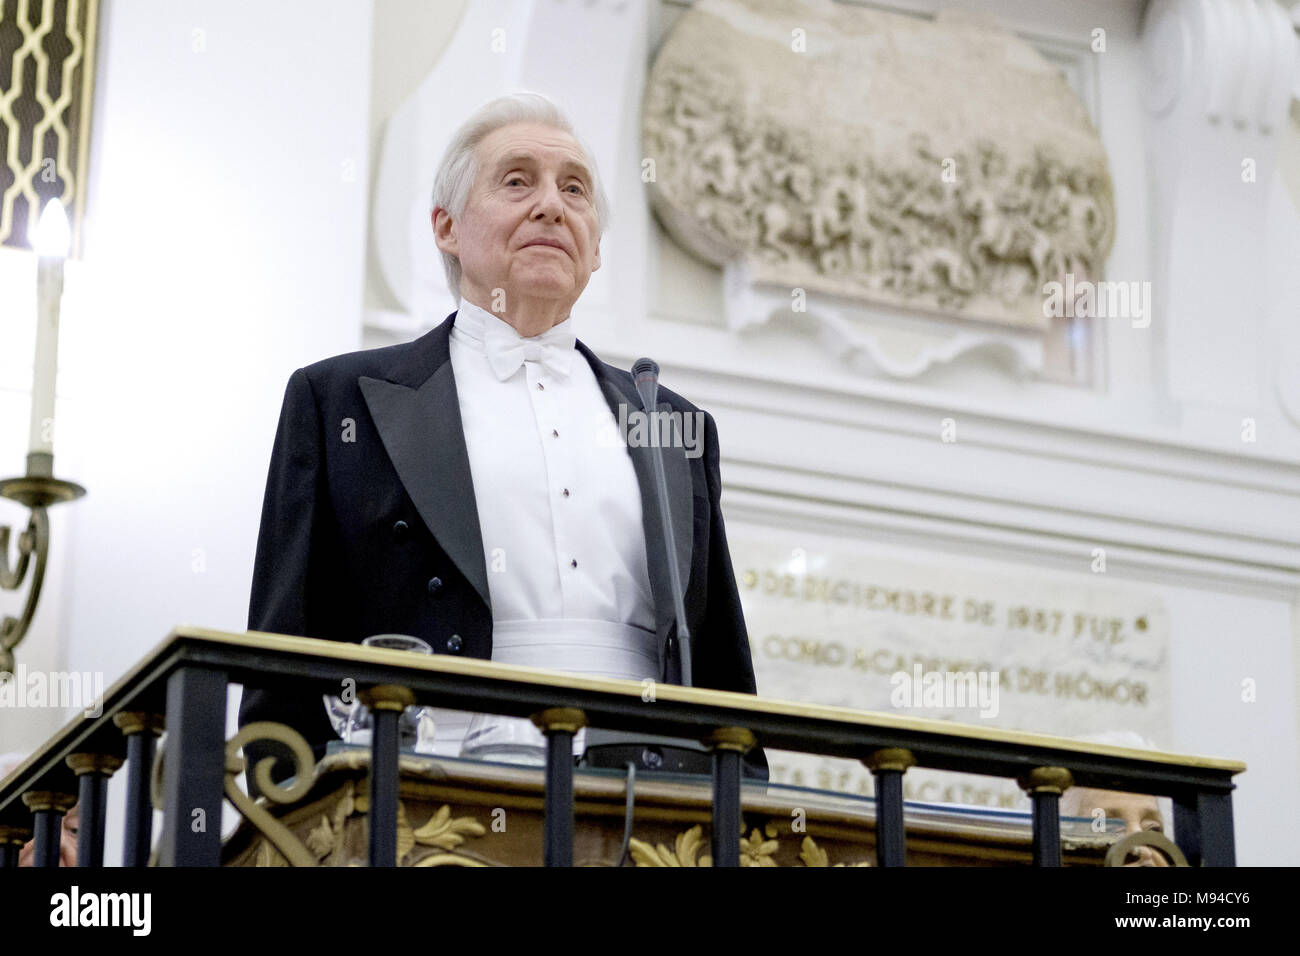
(888, 188)
(879, 340)
(1217, 81)
(873, 339)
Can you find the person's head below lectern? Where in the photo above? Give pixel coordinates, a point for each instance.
(71, 821)
(491, 495)
(1140, 812)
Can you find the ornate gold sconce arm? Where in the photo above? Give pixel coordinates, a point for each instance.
(37, 492)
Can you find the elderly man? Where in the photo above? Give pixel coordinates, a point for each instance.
(463, 487)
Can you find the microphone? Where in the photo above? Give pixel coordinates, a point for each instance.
(611, 748)
(645, 374)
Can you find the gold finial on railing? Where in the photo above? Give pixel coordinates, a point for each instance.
(15, 835)
(731, 738)
(890, 758)
(1046, 780)
(388, 697)
(38, 800)
(136, 721)
(82, 763)
(564, 719)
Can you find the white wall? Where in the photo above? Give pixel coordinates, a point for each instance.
(224, 249)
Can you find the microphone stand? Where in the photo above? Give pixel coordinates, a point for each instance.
(645, 374)
(609, 748)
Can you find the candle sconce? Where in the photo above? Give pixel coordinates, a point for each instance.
(51, 53)
(38, 490)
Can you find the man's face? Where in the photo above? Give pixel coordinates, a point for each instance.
(1138, 811)
(532, 184)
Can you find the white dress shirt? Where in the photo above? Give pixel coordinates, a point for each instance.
(559, 508)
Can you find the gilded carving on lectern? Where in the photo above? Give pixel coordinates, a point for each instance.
(757, 849)
(47, 73)
(466, 813)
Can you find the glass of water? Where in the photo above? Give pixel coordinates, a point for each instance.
(510, 740)
(504, 740)
(352, 721)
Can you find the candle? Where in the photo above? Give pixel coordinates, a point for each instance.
(51, 242)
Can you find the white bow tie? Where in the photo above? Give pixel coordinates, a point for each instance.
(507, 350)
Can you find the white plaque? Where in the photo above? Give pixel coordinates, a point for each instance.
(996, 646)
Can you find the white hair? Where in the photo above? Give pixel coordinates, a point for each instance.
(1130, 738)
(456, 172)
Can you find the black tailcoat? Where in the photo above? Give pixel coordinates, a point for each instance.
(380, 534)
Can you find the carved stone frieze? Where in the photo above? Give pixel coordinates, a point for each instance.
(940, 165)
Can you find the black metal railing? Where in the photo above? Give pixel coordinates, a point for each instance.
(182, 685)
